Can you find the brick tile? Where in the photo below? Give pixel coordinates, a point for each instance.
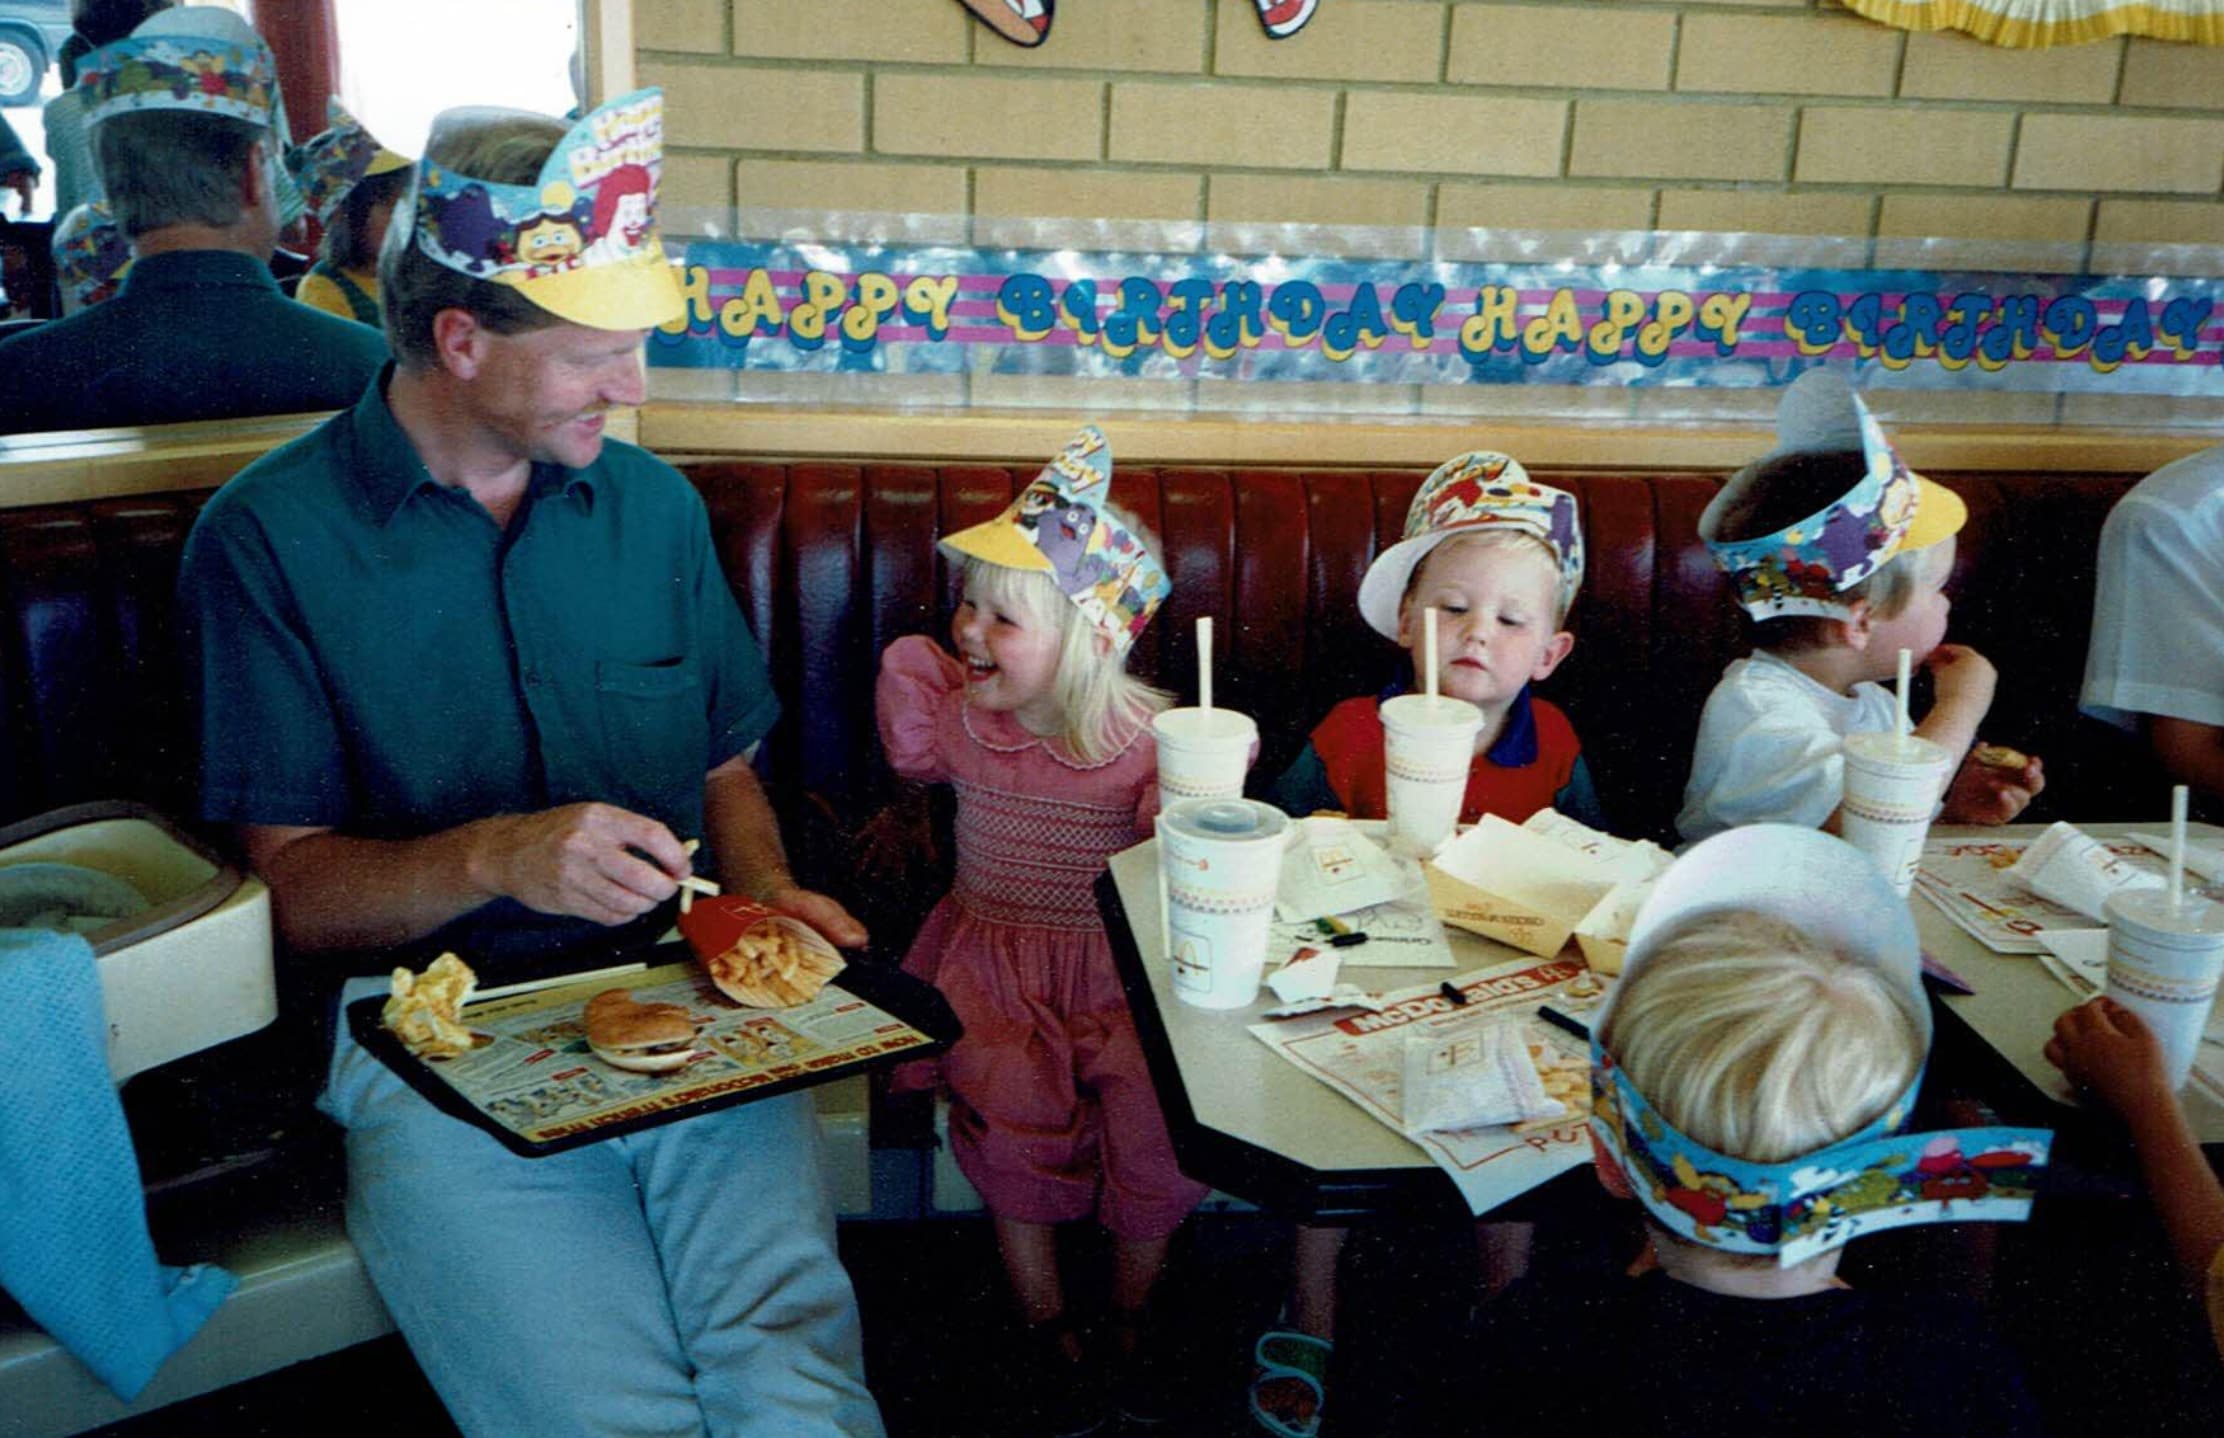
(849, 30)
(1786, 55)
(1999, 217)
(1292, 200)
(680, 25)
(1680, 141)
(983, 115)
(1751, 212)
(2160, 222)
(2173, 76)
(1564, 46)
(738, 107)
(857, 185)
(697, 182)
(1904, 147)
(1091, 194)
(1460, 134)
(1167, 36)
(1468, 216)
(1223, 125)
(2103, 152)
(1947, 66)
(1345, 40)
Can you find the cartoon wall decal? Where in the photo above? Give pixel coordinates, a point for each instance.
(1284, 18)
(1025, 23)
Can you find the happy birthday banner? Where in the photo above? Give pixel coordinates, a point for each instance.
(921, 309)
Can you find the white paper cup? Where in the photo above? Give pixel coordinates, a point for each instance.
(2164, 968)
(1221, 860)
(1203, 753)
(1428, 746)
(1892, 784)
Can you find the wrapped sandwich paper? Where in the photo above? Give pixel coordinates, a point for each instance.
(1538, 884)
(2078, 871)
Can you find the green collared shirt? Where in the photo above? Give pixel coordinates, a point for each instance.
(375, 654)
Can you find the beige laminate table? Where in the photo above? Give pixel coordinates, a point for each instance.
(1250, 1123)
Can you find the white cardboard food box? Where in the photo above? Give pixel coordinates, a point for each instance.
(191, 971)
(1535, 885)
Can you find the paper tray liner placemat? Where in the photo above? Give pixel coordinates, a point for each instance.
(538, 1089)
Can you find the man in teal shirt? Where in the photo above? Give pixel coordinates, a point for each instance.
(468, 676)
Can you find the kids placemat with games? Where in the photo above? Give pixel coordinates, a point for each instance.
(532, 1083)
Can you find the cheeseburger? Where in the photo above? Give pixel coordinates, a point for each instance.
(646, 1038)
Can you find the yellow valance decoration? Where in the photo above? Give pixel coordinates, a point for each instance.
(2037, 24)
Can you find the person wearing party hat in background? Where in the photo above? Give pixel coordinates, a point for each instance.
(1499, 557)
(91, 256)
(1752, 1072)
(598, 696)
(1839, 554)
(1047, 739)
(93, 23)
(187, 133)
(351, 183)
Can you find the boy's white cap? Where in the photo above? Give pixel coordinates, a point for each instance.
(1815, 881)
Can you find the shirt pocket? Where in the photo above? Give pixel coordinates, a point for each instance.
(654, 728)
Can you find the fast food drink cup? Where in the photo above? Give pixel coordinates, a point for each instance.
(1221, 860)
(1428, 745)
(1892, 784)
(1203, 753)
(2164, 966)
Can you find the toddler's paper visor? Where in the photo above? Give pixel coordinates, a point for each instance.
(634, 294)
(1383, 589)
(1939, 512)
(998, 541)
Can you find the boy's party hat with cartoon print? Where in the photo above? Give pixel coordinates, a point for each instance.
(335, 160)
(1473, 494)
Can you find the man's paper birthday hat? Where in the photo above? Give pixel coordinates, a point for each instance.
(1471, 494)
(1059, 526)
(581, 242)
(1802, 568)
(1873, 1179)
(234, 78)
(329, 164)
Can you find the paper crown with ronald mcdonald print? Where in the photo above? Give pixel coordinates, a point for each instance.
(1874, 1178)
(1061, 526)
(338, 158)
(1803, 568)
(581, 242)
(236, 78)
(1474, 494)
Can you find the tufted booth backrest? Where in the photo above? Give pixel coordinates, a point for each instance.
(832, 561)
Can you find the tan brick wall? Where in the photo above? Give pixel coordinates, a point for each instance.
(1780, 116)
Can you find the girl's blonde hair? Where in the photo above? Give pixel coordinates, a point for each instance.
(1760, 1042)
(1103, 705)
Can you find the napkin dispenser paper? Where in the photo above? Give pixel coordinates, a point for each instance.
(193, 969)
(1536, 885)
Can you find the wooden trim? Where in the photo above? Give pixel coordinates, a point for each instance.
(682, 431)
(72, 466)
(606, 35)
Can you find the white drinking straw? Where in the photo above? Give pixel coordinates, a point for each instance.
(2177, 847)
(1428, 648)
(1899, 723)
(1204, 662)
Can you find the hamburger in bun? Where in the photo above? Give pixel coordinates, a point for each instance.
(645, 1038)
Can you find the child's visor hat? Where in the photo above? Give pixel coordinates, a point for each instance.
(1875, 1178)
(235, 78)
(582, 241)
(1059, 526)
(331, 163)
(1479, 493)
(1802, 568)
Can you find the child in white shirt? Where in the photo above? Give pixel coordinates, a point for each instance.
(1840, 554)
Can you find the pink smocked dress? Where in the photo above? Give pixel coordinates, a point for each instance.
(1052, 1113)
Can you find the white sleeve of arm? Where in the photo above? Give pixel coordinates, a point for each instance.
(2158, 619)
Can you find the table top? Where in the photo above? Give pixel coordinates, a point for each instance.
(2017, 1000)
(1246, 1120)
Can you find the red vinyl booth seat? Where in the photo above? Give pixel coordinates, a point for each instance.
(833, 561)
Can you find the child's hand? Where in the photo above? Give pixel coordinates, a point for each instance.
(1990, 793)
(1964, 678)
(899, 838)
(2108, 1049)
